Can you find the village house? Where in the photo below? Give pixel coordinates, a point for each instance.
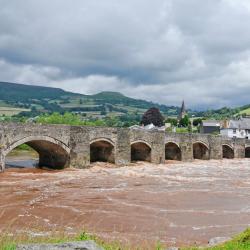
(237, 128)
(210, 127)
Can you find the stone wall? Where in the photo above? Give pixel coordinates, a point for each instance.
(238, 146)
(70, 145)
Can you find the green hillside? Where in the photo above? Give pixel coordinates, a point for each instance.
(30, 101)
(21, 92)
(245, 111)
(226, 112)
(20, 97)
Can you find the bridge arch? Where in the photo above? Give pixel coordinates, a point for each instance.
(52, 152)
(103, 150)
(227, 151)
(172, 151)
(200, 150)
(140, 151)
(247, 152)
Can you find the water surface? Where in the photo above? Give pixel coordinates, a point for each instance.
(177, 203)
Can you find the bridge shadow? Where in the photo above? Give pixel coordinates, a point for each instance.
(227, 152)
(38, 153)
(140, 151)
(200, 151)
(102, 151)
(172, 151)
(247, 152)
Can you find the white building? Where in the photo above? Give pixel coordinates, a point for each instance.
(150, 126)
(237, 129)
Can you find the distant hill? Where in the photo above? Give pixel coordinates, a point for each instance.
(57, 100)
(21, 92)
(16, 98)
(226, 112)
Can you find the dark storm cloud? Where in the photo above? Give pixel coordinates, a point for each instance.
(163, 51)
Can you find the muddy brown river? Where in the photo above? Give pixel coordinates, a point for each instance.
(176, 203)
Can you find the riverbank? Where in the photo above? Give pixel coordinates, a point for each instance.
(239, 242)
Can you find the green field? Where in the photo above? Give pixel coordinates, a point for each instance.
(8, 111)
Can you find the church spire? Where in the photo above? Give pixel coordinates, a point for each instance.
(182, 111)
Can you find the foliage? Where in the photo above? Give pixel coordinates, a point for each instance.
(184, 122)
(197, 122)
(181, 130)
(224, 113)
(153, 116)
(67, 118)
(240, 242)
(172, 121)
(189, 127)
(24, 147)
(80, 120)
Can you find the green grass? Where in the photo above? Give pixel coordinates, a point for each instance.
(245, 111)
(181, 130)
(240, 242)
(10, 242)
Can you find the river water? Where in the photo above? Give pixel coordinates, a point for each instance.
(176, 203)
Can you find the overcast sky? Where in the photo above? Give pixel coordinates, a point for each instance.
(162, 50)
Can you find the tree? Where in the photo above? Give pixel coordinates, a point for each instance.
(173, 121)
(197, 122)
(184, 122)
(154, 116)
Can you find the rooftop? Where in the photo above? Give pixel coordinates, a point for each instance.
(243, 123)
(211, 123)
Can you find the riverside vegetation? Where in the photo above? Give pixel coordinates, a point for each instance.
(9, 242)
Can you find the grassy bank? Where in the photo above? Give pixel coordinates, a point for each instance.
(240, 242)
(7, 242)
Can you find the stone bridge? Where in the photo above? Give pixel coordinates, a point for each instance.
(62, 146)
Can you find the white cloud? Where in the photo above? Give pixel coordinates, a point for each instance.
(27, 73)
(163, 51)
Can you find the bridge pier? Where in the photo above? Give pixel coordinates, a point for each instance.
(123, 149)
(80, 148)
(53, 161)
(215, 147)
(186, 147)
(239, 148)
(2, 162)
(158, 148)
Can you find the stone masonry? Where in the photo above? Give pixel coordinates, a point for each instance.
(61, 146)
